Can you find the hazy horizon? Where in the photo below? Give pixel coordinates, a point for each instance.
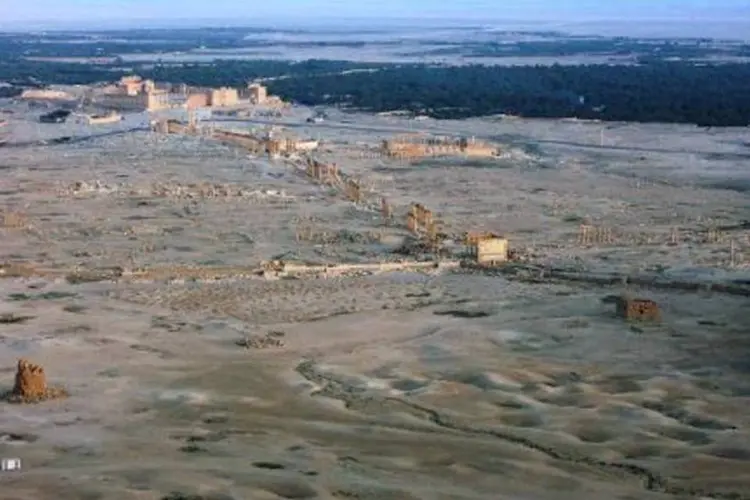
(87, 12)
(667, 18)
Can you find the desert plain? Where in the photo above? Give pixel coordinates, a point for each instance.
(433, 384)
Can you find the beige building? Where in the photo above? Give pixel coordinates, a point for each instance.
(130, 85)
(134, 93)
(149, 101)
(491, 251)
(148, 86)
(199, 100)
(223, 96)
(258, 93)
(134, 85)
(156, 100)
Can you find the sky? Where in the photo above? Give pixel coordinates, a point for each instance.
(94, 11)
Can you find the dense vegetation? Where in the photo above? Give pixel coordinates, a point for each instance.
(665, 92)
(653, 49)
(679, 92)
(655, 90)
(232, 73)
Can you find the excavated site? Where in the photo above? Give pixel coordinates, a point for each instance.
(182, 319)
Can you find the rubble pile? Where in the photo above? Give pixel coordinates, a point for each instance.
(209, 191)
(269, 340)
(13, 220)
(18, 270)
(80, 188)
(317, 236)
(31, 385)
(414, 247)
(202, 190)
(523, 254)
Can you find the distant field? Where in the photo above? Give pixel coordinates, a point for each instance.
(452, 46)
(441, 73)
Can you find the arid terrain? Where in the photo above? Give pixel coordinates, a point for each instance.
(406, 385)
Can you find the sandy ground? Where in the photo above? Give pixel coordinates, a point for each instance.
(393, 386)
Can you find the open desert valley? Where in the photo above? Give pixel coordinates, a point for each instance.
(219, 321)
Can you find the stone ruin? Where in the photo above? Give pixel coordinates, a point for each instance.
(269, 340)
(202, 190)
(31, 385)
(13, 220)
(634, 309)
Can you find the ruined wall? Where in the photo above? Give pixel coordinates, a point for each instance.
(323, 172)
(121, 101)
(420, 147)
(258, 93)
(130, 85)
(154, 100)
(100, 120)
(223, 96)
(472, 238)
(309, 145)
(480, 150)
(45, 94)
(199, 100)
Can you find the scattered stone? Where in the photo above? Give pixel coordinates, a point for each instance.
(94, 275)
(12, 318)
(192, 448)
(171, 325)
(176, 495)
(270, 340)
(268, 465)
(20, 297)
(17, 438)
(457, 313)
(31, 385)
(17, 270)
(74, 308)
(215, 419)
